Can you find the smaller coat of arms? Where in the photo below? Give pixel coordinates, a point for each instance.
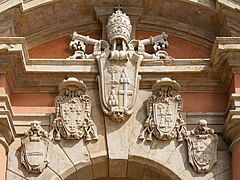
(164, 119)
(35, 148)
(202, 147)
(73, 112)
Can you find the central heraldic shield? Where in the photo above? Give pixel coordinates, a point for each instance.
(119, 81)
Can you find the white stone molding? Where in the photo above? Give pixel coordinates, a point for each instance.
(202, 147)
(225, 59)
(73, 112)
(164, 120)
(35, 147)
(7, 129)
(193, 71)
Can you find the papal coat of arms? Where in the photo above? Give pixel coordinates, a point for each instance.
(202, 147)
(73, 112)
(164, 119)
(119, 60)
(35, 148)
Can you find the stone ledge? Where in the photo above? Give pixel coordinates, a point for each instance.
(31, 73)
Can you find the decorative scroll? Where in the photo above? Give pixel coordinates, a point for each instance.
(202, 147)
(73, 112)
(35, 148)
(164, 119)
(119, 60)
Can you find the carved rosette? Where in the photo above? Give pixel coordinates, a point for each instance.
(202, 147)
(73, 112)
(164, 119)
(35, 148)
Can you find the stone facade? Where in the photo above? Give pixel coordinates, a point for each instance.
(147, 90)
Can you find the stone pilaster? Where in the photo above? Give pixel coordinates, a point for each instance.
(226, 58)
(7, 131)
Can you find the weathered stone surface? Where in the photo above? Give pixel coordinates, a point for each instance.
(73, 112)
(14, 165)
(58, 160)
(77, 152)
(202, 147)
(100, 166)
(164, 120)
(35, 148)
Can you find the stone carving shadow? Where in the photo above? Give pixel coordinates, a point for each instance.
(21, 168)
(141, 116)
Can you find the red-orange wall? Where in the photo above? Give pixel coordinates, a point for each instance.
(178, 48)
(192, 102)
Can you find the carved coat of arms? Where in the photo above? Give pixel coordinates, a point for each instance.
(119, 60)
(73, 112)
(202, 147)
(164, 119)
(35, 148)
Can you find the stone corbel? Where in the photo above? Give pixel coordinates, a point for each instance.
(232, 124)
(225, 58)
(7, 130)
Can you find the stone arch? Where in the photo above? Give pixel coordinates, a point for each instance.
(138, 168)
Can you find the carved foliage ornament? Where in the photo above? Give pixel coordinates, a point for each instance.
(119, 60)
(202, 147)
(35, 148)
(164, 119)
(73, 112)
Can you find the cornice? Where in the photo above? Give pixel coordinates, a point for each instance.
(7, 129)
(33, 75)
(225, 58)
(232, 124)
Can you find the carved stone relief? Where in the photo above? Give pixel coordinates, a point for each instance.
(119, 60)
(35, 148)
(73, 112)
(202, 147)
(164, 119)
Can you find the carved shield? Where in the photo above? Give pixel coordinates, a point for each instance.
(72, 114)
(165, 115)
(202, 150)
(118, 84)
(35, 153)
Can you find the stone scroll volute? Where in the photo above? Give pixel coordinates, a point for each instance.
(35, 147)
(73, 112)
(164, 120)
(202, 147)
